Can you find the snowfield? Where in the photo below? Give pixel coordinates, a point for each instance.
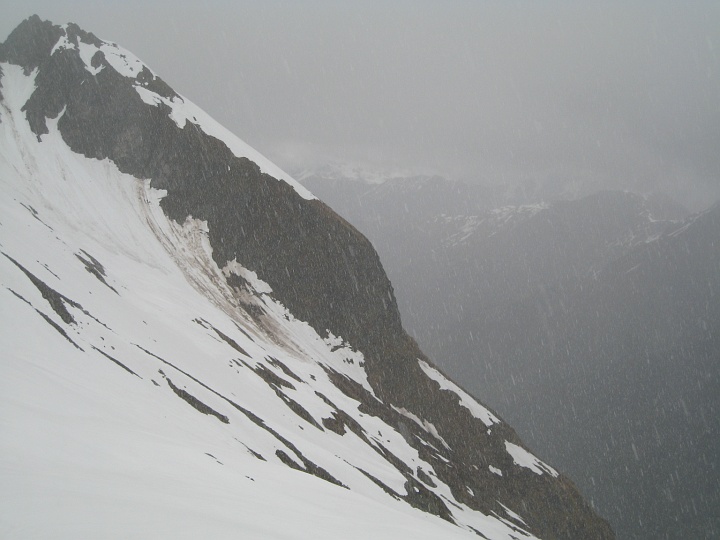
(139, 398)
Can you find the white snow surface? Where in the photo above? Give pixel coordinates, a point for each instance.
(427, 426)
(94, 443)
(523, 458)
(466, 400)
(495, 470)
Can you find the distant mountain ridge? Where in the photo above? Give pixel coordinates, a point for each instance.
(188, 327)
(592, 324)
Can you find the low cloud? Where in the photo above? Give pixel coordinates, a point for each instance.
(612, 94)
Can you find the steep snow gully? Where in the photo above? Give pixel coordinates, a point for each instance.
(194, 346)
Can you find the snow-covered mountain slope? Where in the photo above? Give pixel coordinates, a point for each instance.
(128, 389)
(195, 346)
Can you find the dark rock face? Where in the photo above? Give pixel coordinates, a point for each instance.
(30, 43)
(319, 266)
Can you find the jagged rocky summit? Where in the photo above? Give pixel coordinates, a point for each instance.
(186, 328)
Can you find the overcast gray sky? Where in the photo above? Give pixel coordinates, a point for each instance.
(611, 93)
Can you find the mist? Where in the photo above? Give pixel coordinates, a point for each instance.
(586, 321)
(602, 95)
